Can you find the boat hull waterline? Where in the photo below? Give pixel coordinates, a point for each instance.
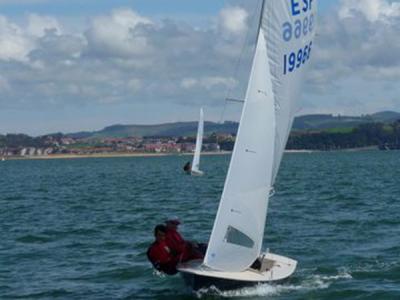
(274, 268)
(196, 173)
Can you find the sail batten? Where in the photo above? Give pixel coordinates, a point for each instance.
(283, 48)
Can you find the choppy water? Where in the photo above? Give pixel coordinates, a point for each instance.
(79, 229)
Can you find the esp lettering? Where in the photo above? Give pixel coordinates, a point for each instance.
(300, 5)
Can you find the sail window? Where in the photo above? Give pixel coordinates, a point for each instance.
(236, 237)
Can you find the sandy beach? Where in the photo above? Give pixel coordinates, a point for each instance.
(106, 155)
(114, 155)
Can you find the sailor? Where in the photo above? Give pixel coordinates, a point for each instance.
(187, 167)
(160, 254)
(172, 237)
(186, 250)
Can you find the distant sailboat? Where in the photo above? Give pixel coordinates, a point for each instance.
(199, 144)
(234, 256)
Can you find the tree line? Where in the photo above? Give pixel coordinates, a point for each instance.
(365, 135)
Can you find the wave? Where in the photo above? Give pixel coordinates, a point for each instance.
(32, 239)
(312, 282)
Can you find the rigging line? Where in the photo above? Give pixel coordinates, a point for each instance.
(239, 62)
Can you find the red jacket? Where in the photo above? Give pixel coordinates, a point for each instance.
(161, 257)
(183, 249)
(175, 241)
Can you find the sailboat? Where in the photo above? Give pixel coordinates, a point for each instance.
(199, 143)
(234, 256)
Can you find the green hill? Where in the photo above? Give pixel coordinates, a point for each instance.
(386, 116)
(161, 130)
(329, 122)
(320, 122)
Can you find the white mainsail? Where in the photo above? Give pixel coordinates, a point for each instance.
(199, 144)
(282, 52)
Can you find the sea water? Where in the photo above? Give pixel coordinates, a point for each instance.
(79, 228)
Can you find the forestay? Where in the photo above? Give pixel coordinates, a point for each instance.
(284, 46)
(199, 143)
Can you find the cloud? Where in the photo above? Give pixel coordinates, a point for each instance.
(58, 49)
(357, 44)
(120, 34)
(125, 58)
(233, 20)
(373, 10)
(122, 57)
(209, 83)
(38, 25)
(15, 43)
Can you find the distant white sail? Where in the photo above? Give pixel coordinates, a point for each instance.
(199, 144)
(283, 49)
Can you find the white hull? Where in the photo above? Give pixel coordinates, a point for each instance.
(273, 268)
(196, 173)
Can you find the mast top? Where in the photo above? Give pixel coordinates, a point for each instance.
(261, 17)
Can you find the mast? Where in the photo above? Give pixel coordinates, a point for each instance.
(261, 18)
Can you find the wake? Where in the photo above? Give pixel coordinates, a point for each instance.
(310, 283)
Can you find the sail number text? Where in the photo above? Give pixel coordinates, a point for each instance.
(299, 6)
(301, 26)
(295, 60)
(298, 28)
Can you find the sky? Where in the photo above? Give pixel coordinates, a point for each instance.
(74, 65)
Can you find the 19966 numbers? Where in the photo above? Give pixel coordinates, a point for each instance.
(295, 60)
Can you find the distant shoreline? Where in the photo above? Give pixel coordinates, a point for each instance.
(116, 155)
(106, 155)
(368, 148)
